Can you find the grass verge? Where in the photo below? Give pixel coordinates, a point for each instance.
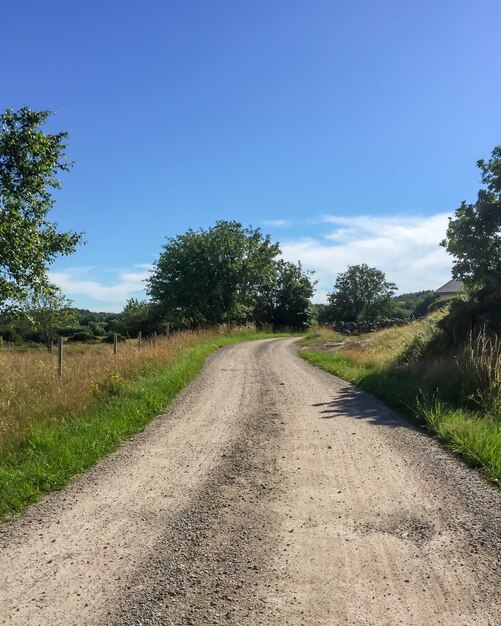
(50, 452)
(435, 392)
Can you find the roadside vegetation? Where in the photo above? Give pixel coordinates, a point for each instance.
(454, 392)
(51, 429)
(444, 369)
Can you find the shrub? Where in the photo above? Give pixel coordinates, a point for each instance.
(83, 336)
(110, 337)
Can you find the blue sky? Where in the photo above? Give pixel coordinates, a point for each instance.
(349, 131)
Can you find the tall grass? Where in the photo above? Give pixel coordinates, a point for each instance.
(53, 429)
(455, 392)
(31, 391)
(480, 365)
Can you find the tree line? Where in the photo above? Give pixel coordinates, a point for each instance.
(227, 273)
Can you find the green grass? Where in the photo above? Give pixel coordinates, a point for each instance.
(428, 391)
(478, 440)
(50, 454)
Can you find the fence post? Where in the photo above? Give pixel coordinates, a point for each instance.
(155, 339)
(115, 344)
(60, 357)
(167, 331)
(139, 339)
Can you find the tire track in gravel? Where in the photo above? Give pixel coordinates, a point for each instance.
(208, 566)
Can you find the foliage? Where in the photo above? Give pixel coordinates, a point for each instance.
(86, 325)
(319, 314)
(361, 293)
(291, 296)
(110, 337)
(48, 311)
(415, 304)
(139, 315)
(227, 273)
(97, 329)
(83, 336)
(474, 234)
(30, 162)
(287, 301)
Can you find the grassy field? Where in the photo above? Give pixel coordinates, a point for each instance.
(456, 395)
(51, 429)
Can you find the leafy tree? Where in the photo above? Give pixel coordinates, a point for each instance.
(361, 293)
(215, 275)
(319, 313)
(474, 234)
(139, 315)
(287, 303)
(48, 311)
(30, 162)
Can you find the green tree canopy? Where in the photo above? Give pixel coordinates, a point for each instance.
(30, 162)
(140, 315)
(361, 293)
(228, 273)
(213, 276)
(48, 311)
(291, 295)
(474, 234)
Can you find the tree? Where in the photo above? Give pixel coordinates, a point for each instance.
(30, 162)
(474, 234)
(290, 296)
(140, 315)
(360, 293)
(212, 276)
(48, 311)
(319, 313)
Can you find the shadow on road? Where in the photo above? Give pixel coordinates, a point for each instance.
(355, 403)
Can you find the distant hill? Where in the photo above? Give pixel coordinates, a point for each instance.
(414, 304)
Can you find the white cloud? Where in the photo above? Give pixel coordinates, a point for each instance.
(78, 283)
(405, 247)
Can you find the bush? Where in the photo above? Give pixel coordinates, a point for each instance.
(97, 329)
(82, 336)
(72, 330)
(468, 315)
(110, 337)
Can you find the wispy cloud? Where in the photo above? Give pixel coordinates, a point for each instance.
(405, 247)
(111, 294)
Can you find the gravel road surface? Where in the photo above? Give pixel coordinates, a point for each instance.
(270, 493)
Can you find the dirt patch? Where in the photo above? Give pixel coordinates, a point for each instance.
(414, 530)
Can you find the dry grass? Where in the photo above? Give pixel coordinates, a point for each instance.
(31, 391)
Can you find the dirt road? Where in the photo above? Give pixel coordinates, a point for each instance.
(270, 493)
